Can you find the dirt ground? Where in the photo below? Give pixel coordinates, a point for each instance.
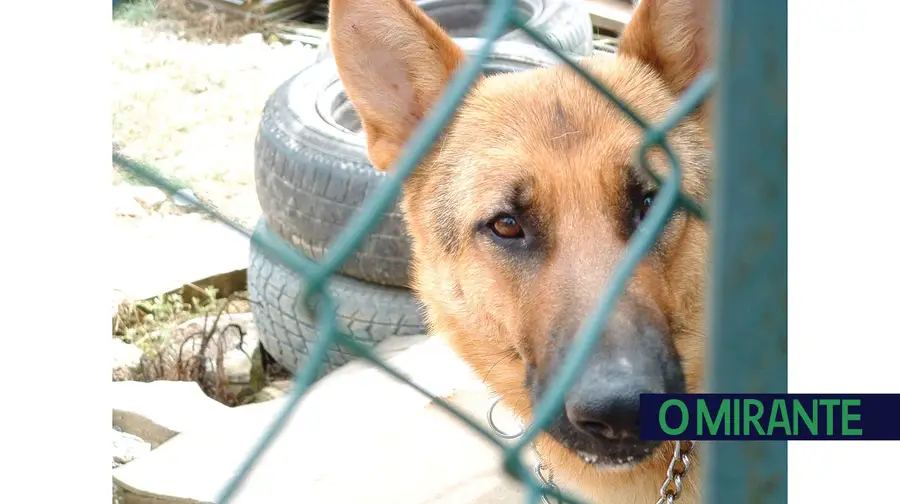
(191, 107)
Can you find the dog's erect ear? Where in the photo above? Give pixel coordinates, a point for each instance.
(672, 36)
(394, 62)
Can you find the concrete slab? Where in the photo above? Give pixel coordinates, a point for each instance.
(358, 436)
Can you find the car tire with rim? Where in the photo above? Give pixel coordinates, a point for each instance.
(313, 173)
(566, 24)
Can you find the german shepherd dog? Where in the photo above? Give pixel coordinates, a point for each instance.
(522, 210)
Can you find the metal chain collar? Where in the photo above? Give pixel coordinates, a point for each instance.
(669, 492)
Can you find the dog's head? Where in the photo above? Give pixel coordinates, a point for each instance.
(523, 209)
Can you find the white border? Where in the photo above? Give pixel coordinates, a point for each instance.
(844, 266)
(55, 150)
(844, 261)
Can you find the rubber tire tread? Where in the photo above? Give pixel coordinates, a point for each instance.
(368, 312)
(567, 25)
(310, 185)
(312, 177)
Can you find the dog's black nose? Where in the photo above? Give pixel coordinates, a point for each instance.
(634, 357)
(606, 412)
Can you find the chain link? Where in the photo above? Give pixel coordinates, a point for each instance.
(671, 488)
(547, 482)
(669, 492)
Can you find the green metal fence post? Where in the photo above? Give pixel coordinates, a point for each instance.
(748, 304)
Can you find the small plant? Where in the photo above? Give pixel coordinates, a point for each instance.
(155, 326)
(148, 324)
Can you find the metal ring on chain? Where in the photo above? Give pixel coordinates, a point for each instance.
(501, 434)
(538, 467)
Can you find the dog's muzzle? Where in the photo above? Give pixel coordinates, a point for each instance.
(600, 420)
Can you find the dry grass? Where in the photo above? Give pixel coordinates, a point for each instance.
(194, 366)
(146, 323)
(206, 23)
(195, 21)
(191, 107)
(187, 90)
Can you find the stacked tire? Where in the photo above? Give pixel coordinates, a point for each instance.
(565, 24)
(313, 174)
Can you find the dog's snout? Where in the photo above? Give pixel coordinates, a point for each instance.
(601, 415)
(607, 413)
(634, 357)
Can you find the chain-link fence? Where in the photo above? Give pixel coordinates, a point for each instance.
(748, 287)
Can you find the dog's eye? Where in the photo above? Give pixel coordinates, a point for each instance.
(505, 226)
(641, 212)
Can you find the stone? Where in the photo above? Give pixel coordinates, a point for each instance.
(268, 394)
(233, 334)
(194, 349)
(126, 206)
(245, 376)
(274, 390)
(157, 411)
(282, 385)
(237, 366)
(151, 198)
(127, 447)
(252, 38)
(186, 199)
(429, 455)
(126, 360)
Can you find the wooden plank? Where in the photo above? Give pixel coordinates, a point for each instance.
(609, 15)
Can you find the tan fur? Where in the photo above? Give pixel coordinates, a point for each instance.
(569, 145)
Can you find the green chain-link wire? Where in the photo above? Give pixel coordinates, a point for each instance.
(501, 14)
